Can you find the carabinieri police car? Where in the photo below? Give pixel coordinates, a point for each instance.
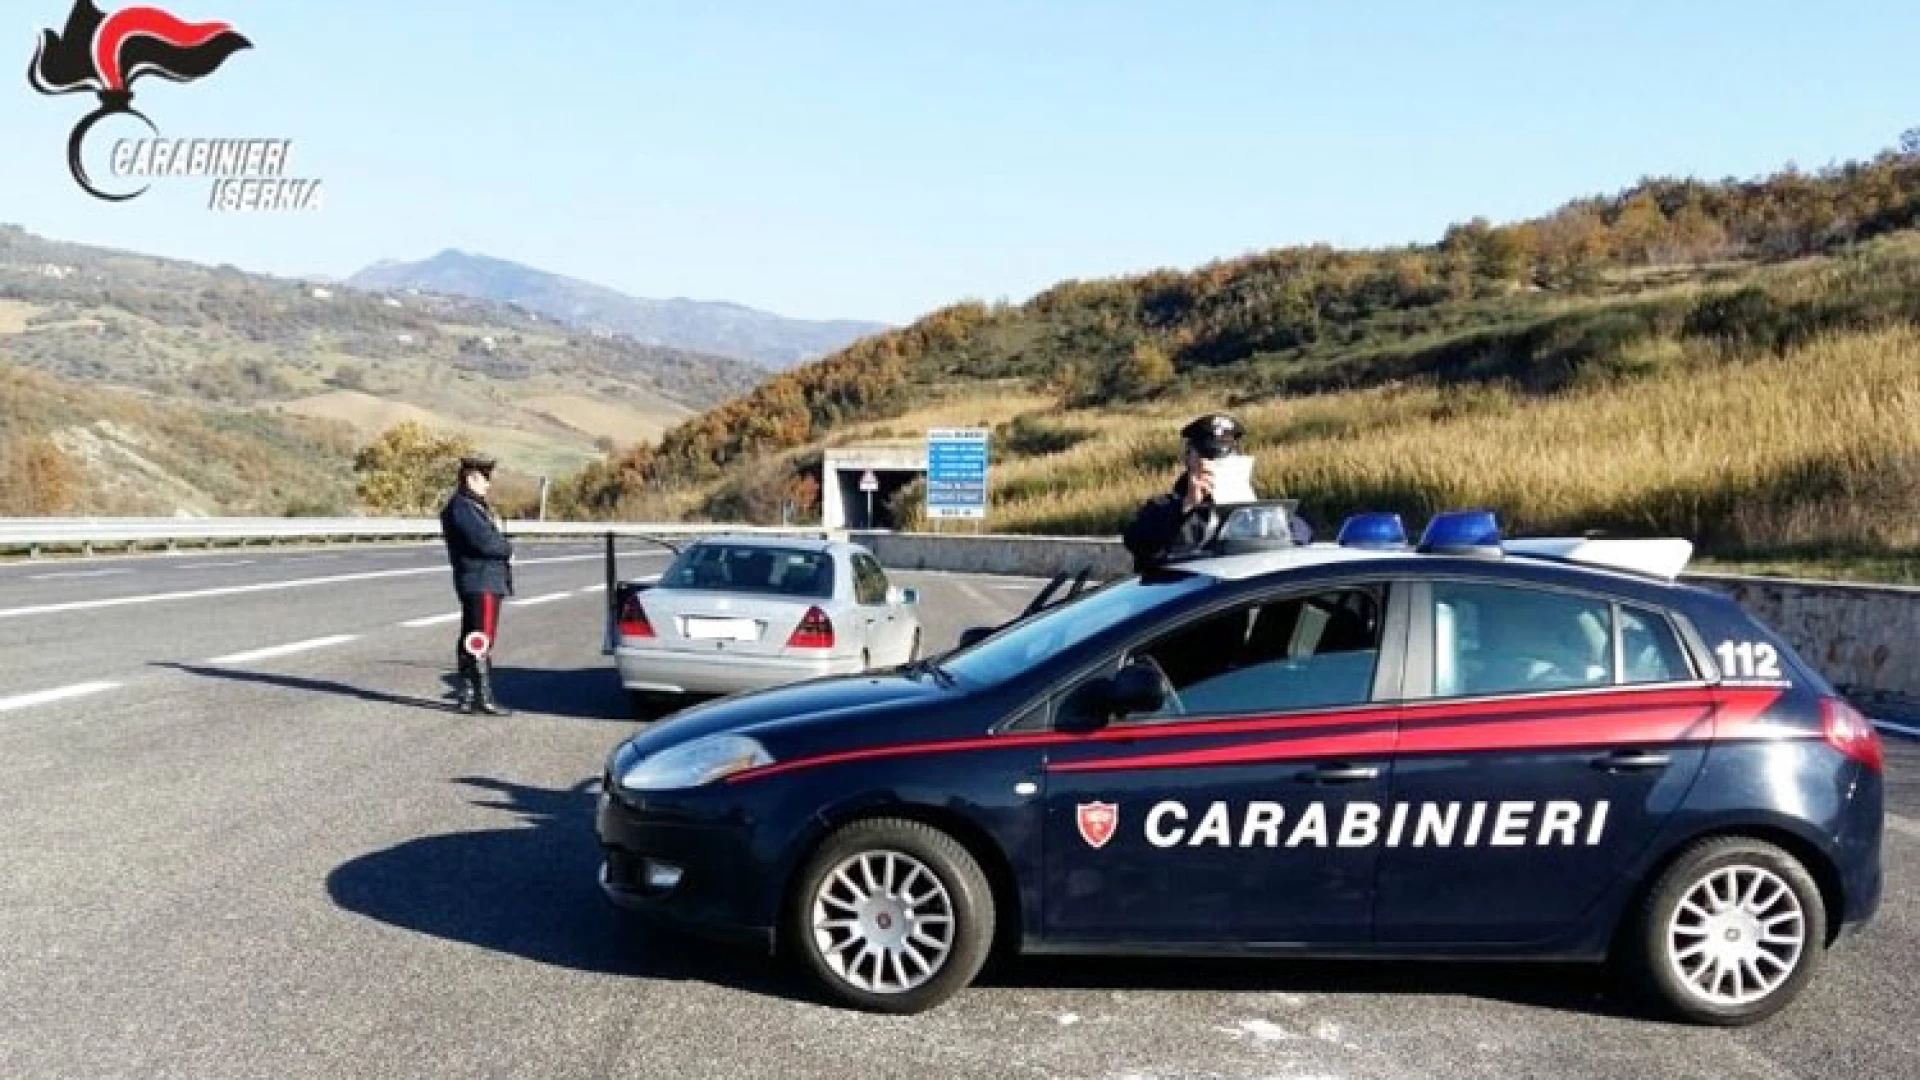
(1470, 748)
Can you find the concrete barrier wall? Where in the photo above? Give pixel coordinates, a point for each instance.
(1864, 638)
(1017, 556)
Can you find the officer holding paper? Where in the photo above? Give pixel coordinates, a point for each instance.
(1217, 474)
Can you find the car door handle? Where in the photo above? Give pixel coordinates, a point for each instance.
(1339, 774)
(1631, 761)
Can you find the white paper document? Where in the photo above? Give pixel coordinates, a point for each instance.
(1233, 480)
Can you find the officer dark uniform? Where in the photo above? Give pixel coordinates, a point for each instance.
(1166, 527)
(481, 557)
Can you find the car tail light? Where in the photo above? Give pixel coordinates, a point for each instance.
(814, 632)
(1851, 733)
(633, 618)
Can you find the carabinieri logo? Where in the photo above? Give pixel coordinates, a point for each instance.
(106, 54)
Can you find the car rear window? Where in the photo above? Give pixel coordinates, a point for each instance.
(752, 568)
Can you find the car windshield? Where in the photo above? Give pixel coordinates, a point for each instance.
(1019, 647)
(752, 568)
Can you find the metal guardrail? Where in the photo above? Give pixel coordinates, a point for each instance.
(34, 534)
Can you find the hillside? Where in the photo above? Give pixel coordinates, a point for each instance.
(1573, 370)
(67, 448)
(269, 356)
(703, 326)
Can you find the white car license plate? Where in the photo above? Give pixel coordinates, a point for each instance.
(700, 629)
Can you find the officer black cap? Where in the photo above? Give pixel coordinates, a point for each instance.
(477, 463)
(1214, 435)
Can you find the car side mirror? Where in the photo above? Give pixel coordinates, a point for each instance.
(1136, 688)
(908, 596)
(974, 635)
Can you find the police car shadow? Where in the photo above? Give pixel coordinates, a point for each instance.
(1561, 987)
(531, 890)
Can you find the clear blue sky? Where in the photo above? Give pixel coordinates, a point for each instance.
(883, 158)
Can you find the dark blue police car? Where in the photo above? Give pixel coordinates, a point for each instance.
(1472, 748)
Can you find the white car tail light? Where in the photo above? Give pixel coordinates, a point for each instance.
(814, 632)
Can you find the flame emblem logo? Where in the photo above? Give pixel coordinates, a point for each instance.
(105, 54)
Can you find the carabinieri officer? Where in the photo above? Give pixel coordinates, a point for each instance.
(482, 559)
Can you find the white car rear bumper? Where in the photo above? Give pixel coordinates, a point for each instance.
(665, 671)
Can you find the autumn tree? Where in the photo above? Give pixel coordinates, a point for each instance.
(1640, 228)
(409, 469)
(1146, 371)
(37, 479)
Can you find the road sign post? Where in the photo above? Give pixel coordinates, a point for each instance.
(869, 484)
(956, 474)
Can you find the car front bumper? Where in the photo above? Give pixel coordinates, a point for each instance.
(724, 891)
(665, 671)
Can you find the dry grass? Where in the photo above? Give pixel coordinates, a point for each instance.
(1818, 450)
(981, 406)
(624, 424)
(14, 315)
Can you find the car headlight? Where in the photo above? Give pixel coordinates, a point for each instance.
(701, 761)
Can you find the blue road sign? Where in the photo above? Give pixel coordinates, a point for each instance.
(957, 473)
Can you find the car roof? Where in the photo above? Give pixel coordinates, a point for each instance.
(1548, 560)
(784, 543)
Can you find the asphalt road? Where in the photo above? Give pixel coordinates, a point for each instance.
(222, 862)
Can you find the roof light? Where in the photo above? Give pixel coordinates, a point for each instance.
(1462, 532)
(1256, 526)
(1379, 530)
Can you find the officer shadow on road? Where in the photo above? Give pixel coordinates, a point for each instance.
(329, 687)
(531, 889)
(579, 694)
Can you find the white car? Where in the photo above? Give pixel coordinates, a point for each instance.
(733, 614)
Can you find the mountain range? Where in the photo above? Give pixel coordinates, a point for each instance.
(706, 326)
(171, 387)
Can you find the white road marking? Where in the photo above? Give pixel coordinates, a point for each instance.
(263, 586)
(76, 574)
(1902, 729)
(1906, 827)
(431, 620)
(282, 650)
(532, 600)
(1014, 588)
(972, 593)
(60, 693)
(214, 565)
(1259, 1030)
(602, 587)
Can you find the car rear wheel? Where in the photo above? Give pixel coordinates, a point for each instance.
(1730, 933)
(893, 916)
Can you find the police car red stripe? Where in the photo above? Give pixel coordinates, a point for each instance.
(1568, 722)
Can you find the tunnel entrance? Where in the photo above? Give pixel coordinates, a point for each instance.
(844, 506)
(869, 510)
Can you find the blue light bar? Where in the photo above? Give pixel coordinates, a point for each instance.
(1380, 530)
(1462, 532)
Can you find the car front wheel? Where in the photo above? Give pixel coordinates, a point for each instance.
(893, 916)
(1730, 933)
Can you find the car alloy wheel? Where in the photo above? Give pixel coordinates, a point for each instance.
(883, 922)
(1730, 933)
(1737, 936)
(891, 915)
